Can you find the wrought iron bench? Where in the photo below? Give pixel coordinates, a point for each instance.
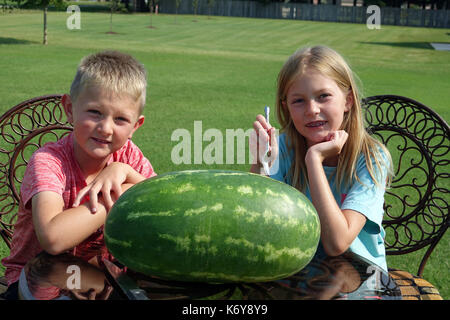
(23, 129)
(416, 205)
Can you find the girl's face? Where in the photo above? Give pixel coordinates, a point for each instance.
(316, 105)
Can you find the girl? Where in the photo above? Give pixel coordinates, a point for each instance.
(325, 152)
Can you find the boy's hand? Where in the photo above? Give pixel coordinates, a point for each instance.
(108, 182)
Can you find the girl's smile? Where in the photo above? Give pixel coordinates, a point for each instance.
(316, 124)
(316, 105)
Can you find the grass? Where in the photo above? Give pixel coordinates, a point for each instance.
(221, 71)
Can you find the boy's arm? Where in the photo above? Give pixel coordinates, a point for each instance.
(59, 230)
(108, 182)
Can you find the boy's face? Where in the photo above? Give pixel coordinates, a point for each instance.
(102, 122)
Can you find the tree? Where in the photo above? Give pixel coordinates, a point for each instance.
(195, 6)
(116, 6)
(435, 4)
(380, 3)
(44, 4)
(210, 5)
(151, 7)
(177, 5)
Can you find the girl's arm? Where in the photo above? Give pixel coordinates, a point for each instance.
(59, 230)
(338, 227)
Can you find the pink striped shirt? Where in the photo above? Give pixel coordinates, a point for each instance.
(54, 168)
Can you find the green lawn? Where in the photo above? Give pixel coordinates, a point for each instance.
(221, 71)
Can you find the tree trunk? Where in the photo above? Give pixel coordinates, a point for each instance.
(45, 25)
(150, 9)
(110, 20)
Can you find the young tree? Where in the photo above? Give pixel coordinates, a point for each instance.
(44, 4)
(210, 5)
(116, 6)
(151, 8)
(195, 6)
(177, 5)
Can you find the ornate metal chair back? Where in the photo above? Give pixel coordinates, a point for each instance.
(23, 129)
(416, 204)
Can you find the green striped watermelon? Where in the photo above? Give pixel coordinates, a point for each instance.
(213, 226)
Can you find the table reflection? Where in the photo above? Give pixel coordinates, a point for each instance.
(344, 277)
(63, 277)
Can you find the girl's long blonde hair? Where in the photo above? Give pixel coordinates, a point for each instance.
(330, 64)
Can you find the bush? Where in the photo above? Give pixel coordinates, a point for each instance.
(85, 6)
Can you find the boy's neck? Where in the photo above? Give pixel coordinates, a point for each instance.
(91, 170)
(89, 167)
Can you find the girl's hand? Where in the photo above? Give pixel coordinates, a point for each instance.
(108, 182)
(330, 148)
(262, 134)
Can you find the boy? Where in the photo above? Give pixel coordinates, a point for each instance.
(97, 160)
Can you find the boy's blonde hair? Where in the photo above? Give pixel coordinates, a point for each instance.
(331, 65)
(114, 71)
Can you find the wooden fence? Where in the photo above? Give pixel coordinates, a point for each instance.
(300, 11)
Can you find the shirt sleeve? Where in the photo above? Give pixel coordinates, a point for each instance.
(367, 197)
(43, 173)
(139, 162)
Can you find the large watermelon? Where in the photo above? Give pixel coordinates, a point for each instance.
(213, 226)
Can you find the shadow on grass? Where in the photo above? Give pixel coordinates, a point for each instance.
(4, 40)
(415, 45)
(113, 33)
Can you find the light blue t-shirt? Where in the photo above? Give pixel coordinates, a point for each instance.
(365, 197)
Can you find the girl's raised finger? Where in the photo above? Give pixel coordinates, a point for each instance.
(260, 118)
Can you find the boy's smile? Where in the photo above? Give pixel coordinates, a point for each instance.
(103, 122)
(101, 141)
